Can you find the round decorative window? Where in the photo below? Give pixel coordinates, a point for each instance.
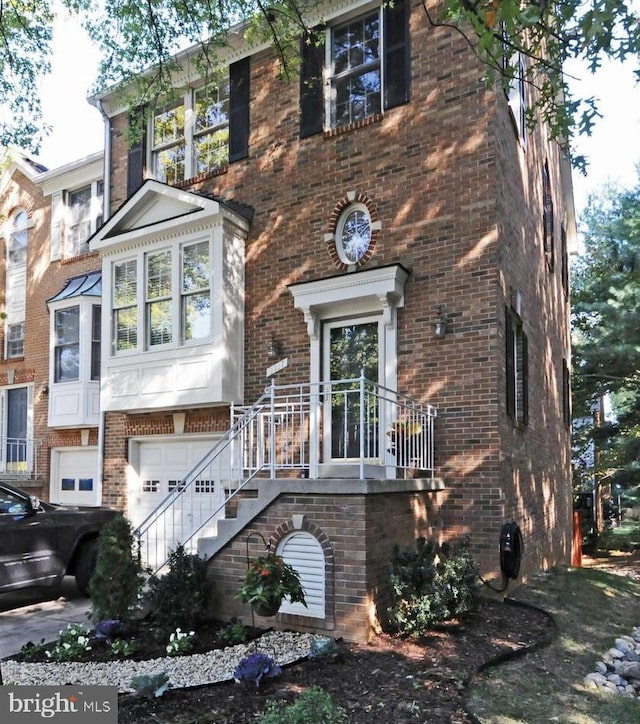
(353, 235)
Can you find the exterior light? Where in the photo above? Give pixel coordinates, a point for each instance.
(440, 322)
(273, 351)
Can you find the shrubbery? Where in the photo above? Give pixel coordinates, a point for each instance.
(313, 706)
(180, 597)
(430, 584)
(117, 580)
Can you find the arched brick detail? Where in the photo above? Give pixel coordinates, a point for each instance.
(342, 205)
(310, 527)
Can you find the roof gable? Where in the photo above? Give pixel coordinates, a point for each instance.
(157, 208)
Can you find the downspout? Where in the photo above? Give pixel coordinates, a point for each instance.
(106, 203)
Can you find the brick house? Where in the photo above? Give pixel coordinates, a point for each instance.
(49, 380)
(335, 315)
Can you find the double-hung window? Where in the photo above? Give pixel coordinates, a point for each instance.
(355, 70)
(175, 298)
(547, 216)
(15, 340)
(83, 217)
(125, 305)
(192, 136)
(67, 345)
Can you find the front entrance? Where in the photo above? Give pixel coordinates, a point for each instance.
(351, 423)
(16, 449)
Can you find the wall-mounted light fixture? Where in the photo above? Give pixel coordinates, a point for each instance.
(275, 349)
(440, 322)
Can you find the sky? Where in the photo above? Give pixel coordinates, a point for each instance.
(78, 128)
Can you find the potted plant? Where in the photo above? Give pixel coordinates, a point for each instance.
(405, 442)
(269, 579)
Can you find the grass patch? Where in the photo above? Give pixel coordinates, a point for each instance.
(591, 608)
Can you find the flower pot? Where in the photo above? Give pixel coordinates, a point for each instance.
(267, 608)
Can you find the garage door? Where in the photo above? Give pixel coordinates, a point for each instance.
(74, 476)
(161, 466)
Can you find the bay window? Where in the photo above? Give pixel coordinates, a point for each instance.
(67, 345)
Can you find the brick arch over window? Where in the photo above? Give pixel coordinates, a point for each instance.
(352, 198)
(297, 538)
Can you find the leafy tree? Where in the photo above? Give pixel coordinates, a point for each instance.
(136, 36)
(606, 330)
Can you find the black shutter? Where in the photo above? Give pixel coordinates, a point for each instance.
(239, 110)
(396, 54)
(525, 380)
(311, 95)
(510, 363)
(137, 151)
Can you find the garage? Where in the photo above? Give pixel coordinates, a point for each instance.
(158, 469)
(74, 476)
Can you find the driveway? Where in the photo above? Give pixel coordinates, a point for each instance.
(39, 613)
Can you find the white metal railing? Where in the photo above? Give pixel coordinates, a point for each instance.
(311, 428)
(17, 456)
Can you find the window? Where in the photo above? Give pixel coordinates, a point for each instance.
(566, 394)
(366, 64)
(355, 70)
(516, 89)
(15, 340)
(96, 336)
(564, 260)
(517, 364)
(125, 309)
(18, 238)
(83, 217)
(547, 216)
(177, 297)
(192, 137)
(67, 345)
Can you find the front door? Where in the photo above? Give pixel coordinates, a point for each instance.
(16, 445)
(351, 348)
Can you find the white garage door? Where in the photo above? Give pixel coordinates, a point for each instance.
(159, 468)
(74, 476)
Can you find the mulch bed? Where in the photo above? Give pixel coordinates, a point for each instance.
(390, 680)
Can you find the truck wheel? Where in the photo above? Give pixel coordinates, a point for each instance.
(85, 564)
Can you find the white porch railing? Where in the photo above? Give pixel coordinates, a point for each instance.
(17, 456)
(347, 428)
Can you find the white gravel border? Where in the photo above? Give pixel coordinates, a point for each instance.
(284, 646)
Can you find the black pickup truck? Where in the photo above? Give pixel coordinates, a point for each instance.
(41, 542)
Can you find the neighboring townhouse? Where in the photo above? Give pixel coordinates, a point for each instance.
(49, 372)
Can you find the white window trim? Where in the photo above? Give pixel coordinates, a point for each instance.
(96, 211)
(329, 96)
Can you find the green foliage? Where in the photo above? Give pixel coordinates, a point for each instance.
(134, 36)
(430, 584)
(313, 706)
(123, 648)
(117, 581)
(151, 685)
(180, 642)
(72, 642)
(180, 597)
(32, 650)
(606, 335)
(235, 632)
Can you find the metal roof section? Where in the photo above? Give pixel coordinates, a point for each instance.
(84, 285)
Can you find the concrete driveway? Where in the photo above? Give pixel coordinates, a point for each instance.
(39, 613)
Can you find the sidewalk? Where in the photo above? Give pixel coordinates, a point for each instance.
(39, 613)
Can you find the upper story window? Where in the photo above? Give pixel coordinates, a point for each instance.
(83, 215)
(15, 340)
(356, 69)
(174, 303)
(67, 345)
(192, 137)
(18, 238)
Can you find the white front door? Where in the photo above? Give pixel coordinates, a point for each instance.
(74, 476)
(159, 468)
